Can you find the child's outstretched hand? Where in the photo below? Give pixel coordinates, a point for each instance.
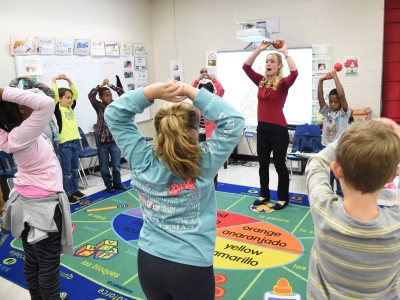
(106, 82)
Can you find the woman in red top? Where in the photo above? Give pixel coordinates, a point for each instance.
(272, 132)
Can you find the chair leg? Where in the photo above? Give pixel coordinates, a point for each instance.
(85, 183)
(90, 168)
(291, 169)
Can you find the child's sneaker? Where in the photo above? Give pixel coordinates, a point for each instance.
(72, 200)
(120, 187)
(63, 296)
(110, 189)
(78, 194)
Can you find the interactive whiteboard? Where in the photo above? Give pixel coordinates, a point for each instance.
(241, 92)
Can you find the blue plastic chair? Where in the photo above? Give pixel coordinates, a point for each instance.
(7, 171)
(86, 151)
(7, 165)
(307, 139)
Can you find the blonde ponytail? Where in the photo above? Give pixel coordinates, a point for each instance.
(177, 139)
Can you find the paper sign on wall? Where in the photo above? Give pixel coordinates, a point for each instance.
(45, 45)
(64, 46)
(21, 45)
(112, 48)
(126, 49)
(97, 48)
(82, 47)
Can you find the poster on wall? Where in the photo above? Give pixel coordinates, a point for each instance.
(176, 69)
(140, 63)
(322, 63)
(112, 48)
(138, 49)
(82, 47)
(351, 65)
(21, 45)
(45, 45)
(126, 49)
(64, 46)
(211, 62)
(30, 66)
(97, 48)
(142, 76)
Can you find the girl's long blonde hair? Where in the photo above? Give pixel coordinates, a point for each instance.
(274, 83)
(177, 139)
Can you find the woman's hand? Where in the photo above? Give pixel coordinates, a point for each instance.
(263, 45)
(283, 48)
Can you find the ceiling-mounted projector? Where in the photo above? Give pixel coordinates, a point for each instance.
(254, 31)
(253, 35)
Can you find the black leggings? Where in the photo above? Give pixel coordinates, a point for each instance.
(42, 263)
(277, 143)
(162, 279)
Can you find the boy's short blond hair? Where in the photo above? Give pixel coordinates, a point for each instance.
(368, 153)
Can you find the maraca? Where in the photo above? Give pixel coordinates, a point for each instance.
(338, 67)
(277, 44)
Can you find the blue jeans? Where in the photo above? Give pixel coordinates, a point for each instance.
(70, 164)
(105, 151)
(338, 187)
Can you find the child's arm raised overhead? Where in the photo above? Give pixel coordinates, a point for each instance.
(72, 87)
(119, 90)
(321, 98)
(54, 87)
(34, 124)
(93, 96)
(340, 90)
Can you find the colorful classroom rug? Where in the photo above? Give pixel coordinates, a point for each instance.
(259, 255)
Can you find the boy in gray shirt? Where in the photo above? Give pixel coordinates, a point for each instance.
(356, 252)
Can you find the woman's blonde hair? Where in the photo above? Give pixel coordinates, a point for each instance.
(368, 153)
(277, 78)
(177, 139)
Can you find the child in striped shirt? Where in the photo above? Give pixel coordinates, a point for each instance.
(356, 252)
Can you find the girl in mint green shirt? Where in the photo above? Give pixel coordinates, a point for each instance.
(175, 182)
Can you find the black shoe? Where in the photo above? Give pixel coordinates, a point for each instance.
(72, 200)
(110, 189)
(278, 206)
(260, 202)
(120, 187)
(78, 194)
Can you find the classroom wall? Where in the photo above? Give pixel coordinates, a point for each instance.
(186, 29)
(120, 20)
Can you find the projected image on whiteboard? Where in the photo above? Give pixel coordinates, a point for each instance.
(241, 92)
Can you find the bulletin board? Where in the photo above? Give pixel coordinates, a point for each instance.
(86, 72)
